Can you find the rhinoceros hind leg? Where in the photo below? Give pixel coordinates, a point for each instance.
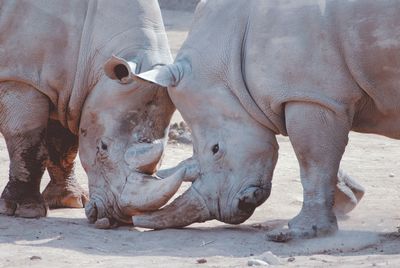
(347, 195)
(63, 191)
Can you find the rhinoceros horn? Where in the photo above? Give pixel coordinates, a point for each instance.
(142, 156)
(186, 209)
(148, 193)
(190, 165)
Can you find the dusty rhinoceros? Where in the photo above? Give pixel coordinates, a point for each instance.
(53, 90)
(312, 70)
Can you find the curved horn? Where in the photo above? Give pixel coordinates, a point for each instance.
(191, 166)
(142, 155)
(146, 193)
(186, 209)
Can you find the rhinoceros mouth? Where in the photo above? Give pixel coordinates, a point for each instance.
(97, 211)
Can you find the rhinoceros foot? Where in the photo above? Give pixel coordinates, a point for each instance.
(283, 235)
(70, 195)
(21, 200)
(312, 221)
(24, 209)
(7, 207)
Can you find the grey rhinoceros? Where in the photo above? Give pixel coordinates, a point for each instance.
(250, 70)
(53, 92)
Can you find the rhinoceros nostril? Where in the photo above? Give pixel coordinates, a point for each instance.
(104, 146)
(91, 211)
(247, 205)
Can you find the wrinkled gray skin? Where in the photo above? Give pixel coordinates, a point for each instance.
(53, 90)
(250, 70)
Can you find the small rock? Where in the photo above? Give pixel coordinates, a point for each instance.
(256, 262)
(391, 175)
(201, 261)
(291, 259)
(270, 258)
(34, 258)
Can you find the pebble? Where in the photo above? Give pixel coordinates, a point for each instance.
(201, 261)
(391, 175)
(257, 262)
(33, 258)
(270, 258)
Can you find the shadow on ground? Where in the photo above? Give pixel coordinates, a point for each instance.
(245, 240)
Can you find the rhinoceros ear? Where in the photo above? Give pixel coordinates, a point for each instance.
(167, 75)
(119, 69)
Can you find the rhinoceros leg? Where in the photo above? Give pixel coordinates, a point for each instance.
(63, 191)
(319, 138)
(23, 118)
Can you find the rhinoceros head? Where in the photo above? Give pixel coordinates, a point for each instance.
(234, 156)
(123, 133)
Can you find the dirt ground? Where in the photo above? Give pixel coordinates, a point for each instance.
(368, 237)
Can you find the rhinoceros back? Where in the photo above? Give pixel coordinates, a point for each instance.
(335, 54)
(59, 46)
(39, 43)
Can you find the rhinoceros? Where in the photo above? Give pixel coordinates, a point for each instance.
(250, 70)
(53, 92)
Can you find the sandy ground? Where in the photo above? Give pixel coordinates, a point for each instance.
(368, 236)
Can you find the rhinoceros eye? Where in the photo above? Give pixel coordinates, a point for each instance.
(215, 148)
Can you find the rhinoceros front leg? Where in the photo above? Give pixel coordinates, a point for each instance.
(23, 118)
(319, 139)
(63, 190)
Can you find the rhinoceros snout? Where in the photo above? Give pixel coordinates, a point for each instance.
(247, 205)
(252, 197)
